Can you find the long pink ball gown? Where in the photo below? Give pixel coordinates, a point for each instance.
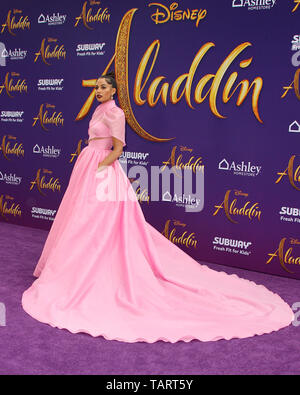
(105, 271)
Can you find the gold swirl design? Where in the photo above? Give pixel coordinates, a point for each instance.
(121, 72)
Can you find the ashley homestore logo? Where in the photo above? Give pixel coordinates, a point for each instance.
(254, 4)
(242, 168)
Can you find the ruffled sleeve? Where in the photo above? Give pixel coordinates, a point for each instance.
(115, 120)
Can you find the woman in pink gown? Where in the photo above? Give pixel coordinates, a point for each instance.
(107, 272)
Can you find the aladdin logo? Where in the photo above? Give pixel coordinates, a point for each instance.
(160, 89)
(41, 184)
(11, 86)
(240, 169)
(45, 52)
(194, 163)
(55, 119)
(49, 152)
(294, 214)
(254, 4)
(86, 16)
(8, 208)
(53, 19)
(165, 14)
(7, 149)
(230, 208)
(12, 179)
(285, 254)
(12, 23)
(186, 239)
(14, 54)
(292, 172)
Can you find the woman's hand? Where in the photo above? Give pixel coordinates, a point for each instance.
(112, 156)
(101, 168)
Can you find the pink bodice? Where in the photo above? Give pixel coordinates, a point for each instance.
(108, 120)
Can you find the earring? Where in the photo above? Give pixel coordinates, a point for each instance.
(112, 96)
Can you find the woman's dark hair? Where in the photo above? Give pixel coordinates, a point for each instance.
(110, 78)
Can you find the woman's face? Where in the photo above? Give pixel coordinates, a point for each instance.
(104, 90)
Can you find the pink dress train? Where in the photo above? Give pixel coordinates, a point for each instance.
(107, 272)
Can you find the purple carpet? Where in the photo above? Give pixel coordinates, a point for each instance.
(30, 347)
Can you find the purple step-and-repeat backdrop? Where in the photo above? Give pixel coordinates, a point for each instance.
(211, 86)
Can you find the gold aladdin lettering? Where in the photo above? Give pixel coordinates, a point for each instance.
(11, 23)
(55, 119)
(46, 53)
(20, 86)
(193, 163)
(285, 258)
(14, 209)
(41, 184)
(87, 17)
(6, 148)
(207, 87)
(230, 209)
(185, 239)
